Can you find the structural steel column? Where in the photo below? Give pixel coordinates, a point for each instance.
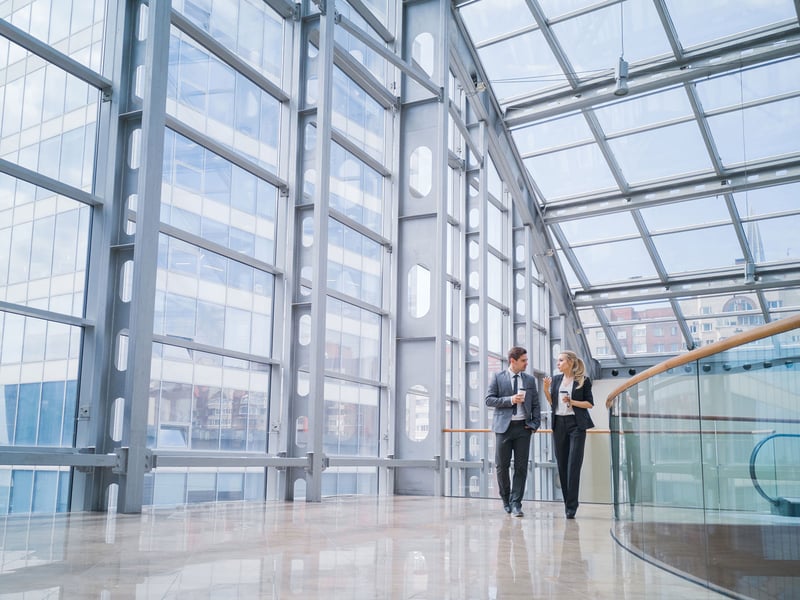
(322, 161)
(421, 243)
(145, 256)
(95, 401)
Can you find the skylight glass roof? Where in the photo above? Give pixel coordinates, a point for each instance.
(674, 207)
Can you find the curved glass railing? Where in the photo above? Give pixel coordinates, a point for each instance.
(705, 452)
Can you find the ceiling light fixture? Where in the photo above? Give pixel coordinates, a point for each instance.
(621, 77)
(749, 272)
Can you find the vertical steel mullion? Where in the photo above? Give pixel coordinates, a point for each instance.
(95, 402)
(520, 237)
(483, 286)
(439, 291)
(320, 251)
(283, 390)
(388, 348)
(145, 256)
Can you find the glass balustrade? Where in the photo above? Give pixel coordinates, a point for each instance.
(706, 463)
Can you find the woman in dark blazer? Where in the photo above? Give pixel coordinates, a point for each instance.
(570, 396)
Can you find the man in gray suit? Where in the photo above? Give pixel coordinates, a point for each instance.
(513, 395)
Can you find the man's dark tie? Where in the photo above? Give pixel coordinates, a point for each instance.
(516, 387)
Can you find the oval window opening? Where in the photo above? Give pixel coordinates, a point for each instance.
(421, 172)
(418, 402)
(419, 291)
(422, 52)
(304, 330)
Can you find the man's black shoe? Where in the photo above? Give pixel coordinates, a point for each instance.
(516, 510)
(507, 508)
(570, 515)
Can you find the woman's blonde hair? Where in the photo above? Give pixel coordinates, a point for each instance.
(578, 370)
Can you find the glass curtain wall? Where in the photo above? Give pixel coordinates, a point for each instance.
(48, 131)
(249, 251)
(344, 224)
(218, 236)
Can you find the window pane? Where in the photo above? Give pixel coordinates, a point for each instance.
(356, 190)
(351, 419)
(210, 97)
(352, 340)
(48, 123)
(43, 248)
(200, 297)
(38, 413)
(76, 27)
(202, 401)
(248, 27)
(354, 263)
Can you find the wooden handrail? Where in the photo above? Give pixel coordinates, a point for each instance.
(638, 431)
(537, 431)
(758, 333)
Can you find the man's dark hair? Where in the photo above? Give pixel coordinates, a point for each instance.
(516, 352)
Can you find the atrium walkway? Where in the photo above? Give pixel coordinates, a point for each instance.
(351, 547)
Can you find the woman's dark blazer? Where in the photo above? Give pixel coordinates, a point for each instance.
(583, 393)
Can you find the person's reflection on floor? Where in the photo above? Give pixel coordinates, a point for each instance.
(573, 567)
(513, 572)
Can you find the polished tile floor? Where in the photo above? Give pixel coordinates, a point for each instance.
(351, 547)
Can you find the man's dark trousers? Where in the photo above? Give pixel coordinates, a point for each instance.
(517, 441)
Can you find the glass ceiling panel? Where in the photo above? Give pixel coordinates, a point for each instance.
(651, 338)
(520, 65)
(642, 111)
(699, 249)
(777, 316)
(551, 134)
(759, 132)
(639, 312)
(569, 273)
(686, 214)
(588, 316)
(596, 229)
(596, 340)
(554, 8)
(556, 173)
(700, 22)
(747, 86)
(742, 304)
(491, 18)
(782, 301)
(707, 330)
(770, 200)
(777, 239)
(668, 151)
(593, 42)
(650, 140)
(615, 261)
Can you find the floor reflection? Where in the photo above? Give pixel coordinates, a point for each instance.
(573, 568)
(398, 547)
(514, 570)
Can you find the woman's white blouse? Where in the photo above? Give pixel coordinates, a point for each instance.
(563, 408)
